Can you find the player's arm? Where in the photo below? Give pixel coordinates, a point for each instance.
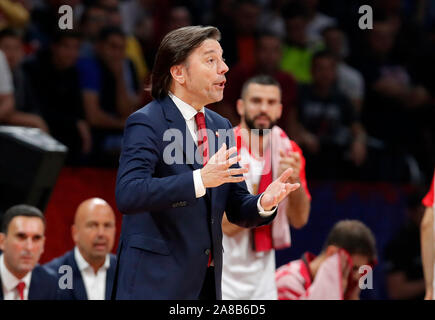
(427, 250)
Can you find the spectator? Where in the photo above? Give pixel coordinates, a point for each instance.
(329, 128)
(404, 270)
(107, 100)
(54, 79)
(249, 256)
(427, 241)
(316, 22)
(297, 54)
(268, 53)
(6, 89)
(22, 242)
(92, 263)
(334, 274)
(390, 90)
(94, 19)
(349, 80)
(239, 27)
(179, 17)
(25, 112)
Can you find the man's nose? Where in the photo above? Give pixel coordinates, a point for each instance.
(29, 244)
(223, 68)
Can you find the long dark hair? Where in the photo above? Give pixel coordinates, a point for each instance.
(174, 49)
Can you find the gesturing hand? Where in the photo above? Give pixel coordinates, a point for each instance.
(278, 190)
(216, 172)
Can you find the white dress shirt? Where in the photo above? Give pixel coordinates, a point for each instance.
(95, 283)
(10, 282)
(188, 112)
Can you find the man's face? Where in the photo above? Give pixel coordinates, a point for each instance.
(66, 52)
(23, 244)
(268, 53)
(334, 42)
(358, 261)
(296, 30)
(323, 71)
(204, 73)
(381, 38)
(261, 106)
(113, 48)
(96, 20)
(94, 231)
(13, 50)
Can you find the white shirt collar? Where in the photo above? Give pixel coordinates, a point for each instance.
(82, 264)
(9, 281)
(186, 109)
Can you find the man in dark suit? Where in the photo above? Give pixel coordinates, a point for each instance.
(22, 242)
(92, 264)
(172, 185)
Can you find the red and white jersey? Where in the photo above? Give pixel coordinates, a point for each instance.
(293, 279)
(247, 274)
(429, 199)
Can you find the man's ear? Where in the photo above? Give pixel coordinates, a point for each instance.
(331, 249)
(2, 241)
(74, 233)
(178, 73)
(240, 107)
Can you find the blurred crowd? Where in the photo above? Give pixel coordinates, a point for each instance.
(358, 102)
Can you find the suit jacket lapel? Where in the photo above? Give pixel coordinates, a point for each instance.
(79, 290)
(1, 289)
(110, 277)
(177, 122)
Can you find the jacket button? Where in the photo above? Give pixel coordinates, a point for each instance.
(207, 251)
(212, 221)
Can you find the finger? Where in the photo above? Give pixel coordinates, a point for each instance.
(228, 163)
(281, 153)
(230, 152)
(234, 179)
(285, 175)
(221, 151)
(235, 172)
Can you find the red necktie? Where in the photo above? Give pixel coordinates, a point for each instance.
(202, 136)
(203, 146)
(20, 287)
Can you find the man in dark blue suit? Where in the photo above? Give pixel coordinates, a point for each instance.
(172, 185)
(91, 263)
(22, 242)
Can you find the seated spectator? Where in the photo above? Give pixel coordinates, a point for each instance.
(268, 53)
(390, 91)
(238, 27)
(26, 112)
(335, 273)
(94, 19)
(22, 242)
(329, 128)
(403, 265)
(13, 14)
(54, 80)
(349, 80)
(316, 22)
(296, 57)
(6, 89)
(92, 263)
(107, 100)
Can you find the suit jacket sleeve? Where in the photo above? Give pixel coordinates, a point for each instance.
(137, 190)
